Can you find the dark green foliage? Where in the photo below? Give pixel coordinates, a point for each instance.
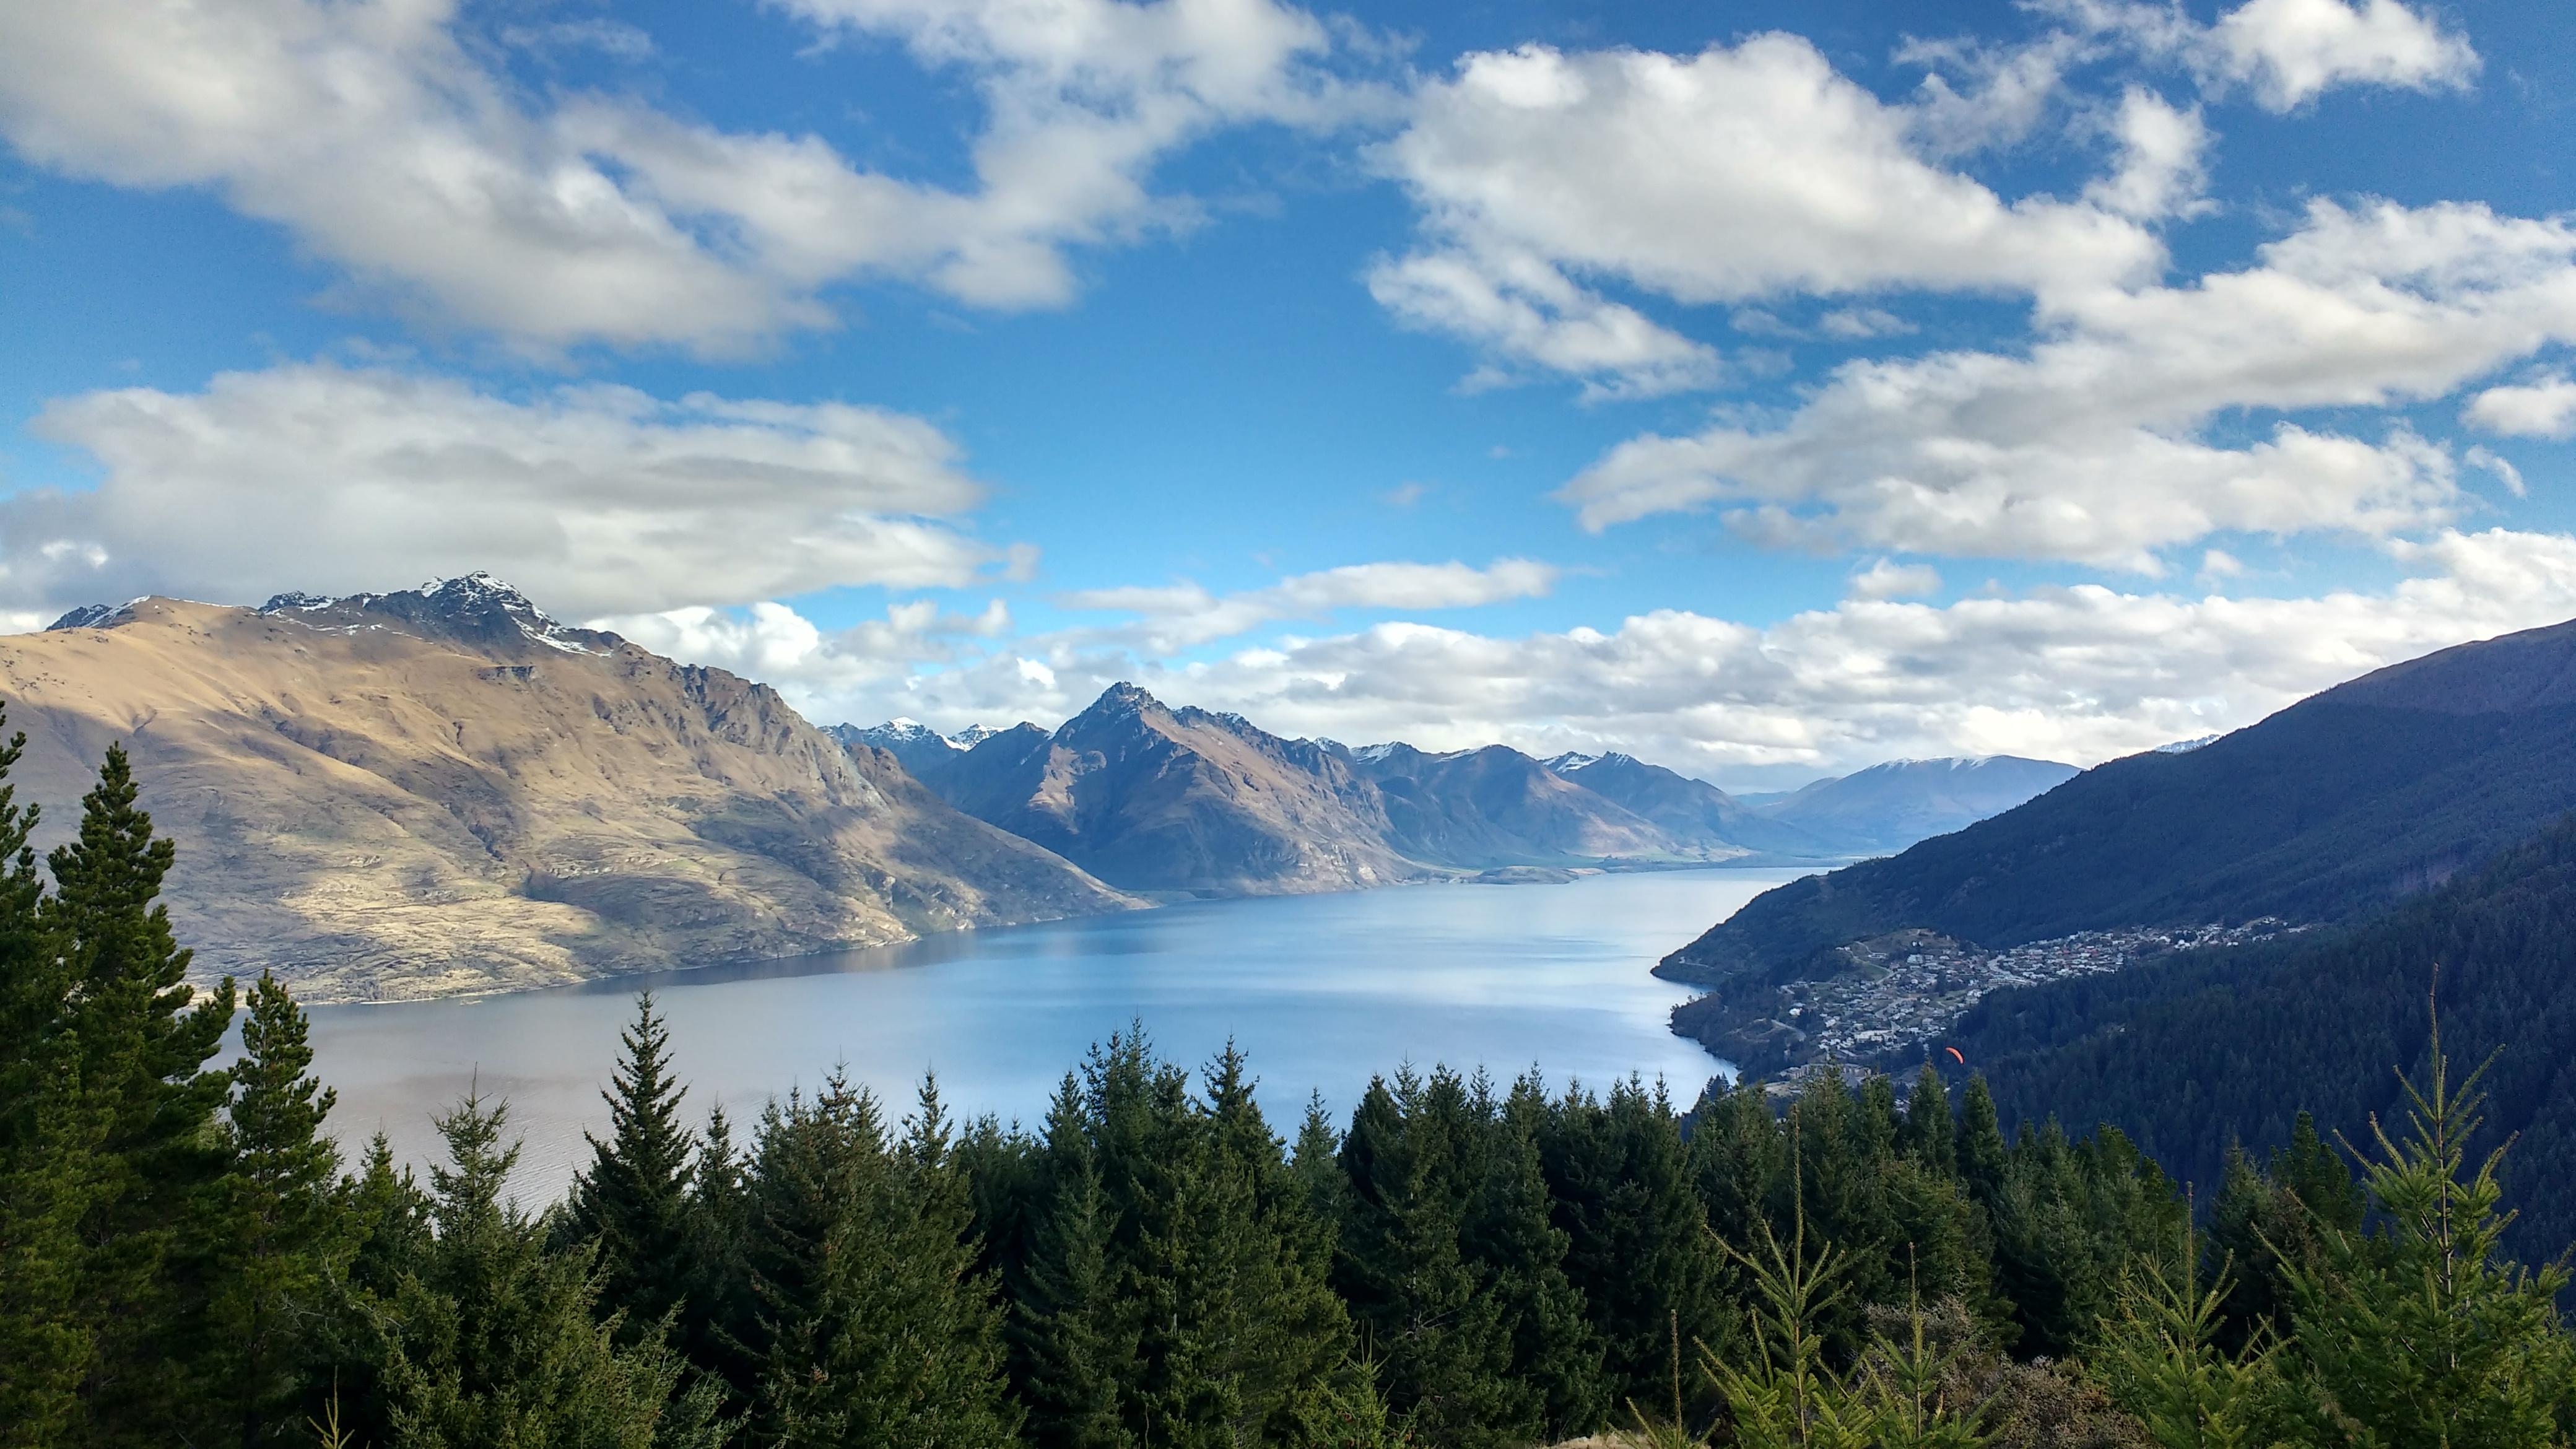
(898, 1344)
(47, 1151)
(634, 1202)
(2267, 1225)
(1454, 1267)
(1555, 1349)
(142, 1040)
(1637, 1236)
(2071, 1216)
(391, 1216)
(1416, 1167)
(1978, 1154)
(288, 1232)
(719, 1303)
(2197, 1052)
(492, 1341)
(1177, 1293)
(2422, 1333)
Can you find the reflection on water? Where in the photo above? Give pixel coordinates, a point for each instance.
(1321, 992)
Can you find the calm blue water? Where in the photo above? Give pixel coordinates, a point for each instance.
(1320, 991)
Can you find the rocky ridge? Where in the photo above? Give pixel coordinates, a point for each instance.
(1188, 802)
(443, 790)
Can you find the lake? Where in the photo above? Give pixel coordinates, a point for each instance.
(1321, 993)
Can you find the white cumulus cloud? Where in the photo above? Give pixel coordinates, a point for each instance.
(2292, 50)
(1887, 579)
(2160, 171)
(376, 133)
(1742, 172)
(2077, 674)
(2088, 448)
(1177, 616)
(596, 499)
(2542, 409)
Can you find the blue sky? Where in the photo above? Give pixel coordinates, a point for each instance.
(1764, 389)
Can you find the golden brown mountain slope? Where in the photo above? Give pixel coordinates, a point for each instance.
(441, 792)
(1183, 802)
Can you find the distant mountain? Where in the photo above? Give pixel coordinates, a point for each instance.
(924, 751)
(1687, 809)
(1155, 799)
(2333, 808)
(1479, 809)
(1185, 801)
(443, 790)
(1889, 807)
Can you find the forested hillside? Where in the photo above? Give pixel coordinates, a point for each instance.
(1464, 1263)
(2335, 807)
(2195, 1053)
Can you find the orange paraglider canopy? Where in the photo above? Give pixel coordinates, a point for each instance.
(1954, 1055)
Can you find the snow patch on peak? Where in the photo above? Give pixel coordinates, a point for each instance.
(973, 735)
(2185, 747)
(901, 731)
(1571, 761)
(480, 588)
(94, 616)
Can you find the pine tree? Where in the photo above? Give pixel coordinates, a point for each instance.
(1073, 1334)
(1739, 1159)
(1980, 1151)
(2424, 1334)
(393, 1218)
(142, 1042)
(1278, 1332)
(1931, 1134)
(1318, 1160)
(1515, 1242)
(1218, 1325)
(494, 1344)
(1639, 1244)
(1416, 1168)
(905, 1350)
(634, 1198)
(720, 1302)
(2160, 1354)
(48, 1169)
(2069, 1220)
(813, 1158)
(394, 1215)
(2312, 1171)
(290, 1228)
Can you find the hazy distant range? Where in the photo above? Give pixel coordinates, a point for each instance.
(443, 791)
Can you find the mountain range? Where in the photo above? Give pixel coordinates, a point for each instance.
(443, 790)
(1185, 802)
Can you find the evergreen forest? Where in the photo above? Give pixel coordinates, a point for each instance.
(188, 1258)
(2204, 1056)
